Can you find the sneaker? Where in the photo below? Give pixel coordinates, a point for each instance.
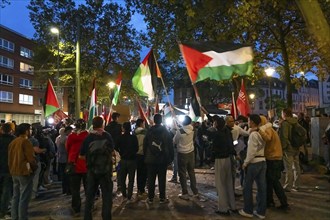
(227, 213)
(6, 217)
(149, 201)
(129, 201)
(199, 197)
(41, 188)
(258, 215)
(163, 201)
(283, 207)
(184, 196)
(242, 213)
(295, 189)
(173, 180)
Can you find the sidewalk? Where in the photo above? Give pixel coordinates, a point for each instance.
(311, 202)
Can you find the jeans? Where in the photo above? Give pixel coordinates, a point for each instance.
(255, 172)
(160, 171)
(141, 173)
(292, 168)
(75, 183)
(186, 163)
(6, 183)
(93, 181)
(127, 167)
(273, 176)
(22, 190)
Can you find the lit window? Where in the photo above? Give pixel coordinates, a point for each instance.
(25, 99)
(6, 96)
(26, 52)
(23, 67)
(6, 79)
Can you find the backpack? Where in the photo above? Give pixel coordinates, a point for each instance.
(298, 135)
(99, 157)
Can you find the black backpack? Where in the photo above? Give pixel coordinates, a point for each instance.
(298, 135)
(100, 157)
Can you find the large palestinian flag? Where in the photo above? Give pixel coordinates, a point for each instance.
(145, 78)
(50, 104)
(217, 61)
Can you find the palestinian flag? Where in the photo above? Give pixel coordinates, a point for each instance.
(51, 104)
(117, 88)
(145, 78)
(92, 106)
(217, 61)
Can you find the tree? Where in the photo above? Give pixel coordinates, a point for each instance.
(109, 43)
(275, 28)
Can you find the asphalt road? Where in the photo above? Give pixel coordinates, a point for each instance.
(311, 202)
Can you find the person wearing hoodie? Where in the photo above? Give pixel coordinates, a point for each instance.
(157, 161)
(73, 146)
(141, 169)
(184, 139)
(273, 154)
(94, 178)
(290, 154)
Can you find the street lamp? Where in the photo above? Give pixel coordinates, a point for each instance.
(56, 31)
(303, 91)
(269, 72)
(252, 96)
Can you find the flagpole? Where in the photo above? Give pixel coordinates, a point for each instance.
(109, 115)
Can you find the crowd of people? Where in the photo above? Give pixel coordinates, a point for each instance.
(251, 148)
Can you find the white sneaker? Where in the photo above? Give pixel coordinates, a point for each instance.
(199, 197)
(259, 216)
(242, 213)
(41, 188)
(184, 196)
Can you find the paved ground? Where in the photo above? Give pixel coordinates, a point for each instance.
(311, 202)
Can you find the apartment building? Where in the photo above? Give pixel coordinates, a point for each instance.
(20, 100)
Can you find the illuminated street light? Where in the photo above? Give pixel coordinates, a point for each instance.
(252, 96)
(111, 85)
(269, 72)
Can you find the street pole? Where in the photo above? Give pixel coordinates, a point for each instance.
(270, 94)
(77, 82)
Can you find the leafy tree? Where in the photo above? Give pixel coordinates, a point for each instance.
(274, 27)
(3, 3)
(109, 43)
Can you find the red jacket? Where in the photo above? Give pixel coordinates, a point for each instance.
(73, 145)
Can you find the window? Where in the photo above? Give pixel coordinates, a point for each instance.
(6, 96)
(26, 52)
(26, 83)
(7, 45)
(261, 105)
(6, 62)
(6, 79)
(25, 99)
(23, 67)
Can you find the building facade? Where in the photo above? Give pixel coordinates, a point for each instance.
(20, 100)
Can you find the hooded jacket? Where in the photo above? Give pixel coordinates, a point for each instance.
(73, 146)
(285, 134)
(273, 148)
(184, 139)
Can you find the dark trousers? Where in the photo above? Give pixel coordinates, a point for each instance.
(141, 173)
(75, 183)
(127, 167)
(153, 171)
(64, 178)
(273, 176)
(186, 164)
(93, 181)
(6, 187)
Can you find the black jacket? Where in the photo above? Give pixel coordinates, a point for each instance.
(222, 143)
(168, 155)
(5, 140)
(114, 128)
(127, 146)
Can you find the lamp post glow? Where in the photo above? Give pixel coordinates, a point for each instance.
(56, 31)
(252, 96)
(111, 85)
(269, 72)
